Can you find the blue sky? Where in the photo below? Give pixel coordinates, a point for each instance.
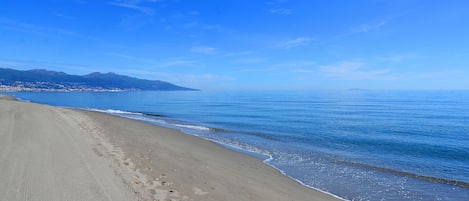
(245, 44)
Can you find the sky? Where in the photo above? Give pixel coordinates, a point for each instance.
(245, 44)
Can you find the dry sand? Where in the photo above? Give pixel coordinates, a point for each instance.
(52, 153)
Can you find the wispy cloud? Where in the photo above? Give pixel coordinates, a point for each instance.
(14, 25)
(212, 27)
(341, 69)
(289, 66)
(137, 5)
(295, 64)
(130, 57)
(239, 54)
(364, 28)
(304, 70)
(177, 62)
(398, 57)
(263, 70)
(249, 60)
(68, 68)
(207, 77)
(299, 66)
(297, 42)
(446, 74)
(81, 1)
(170, 62)
(277, 7)
(369, 27)
(204, 50)
(353, 71)
(178, 78)
(10, 64)
(280, 11)
(193, 24)
(64, 16)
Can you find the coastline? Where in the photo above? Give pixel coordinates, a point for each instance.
(157, 163)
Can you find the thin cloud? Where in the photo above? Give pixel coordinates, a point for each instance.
(249, 60)
(303, 70)
(212, 27)
(297, 42)
(68, 68)
(293, 66)
(272, 69)
(280, 11)
(208, 77)
(177, 62)
(130, 57)
(448, 74)
(353, 71)
(341, 69)
(239, 54)
(193, 13)
(276, 7)
(165, 63)
(14, 25)
(369, 27)
(10, 64)
(364, 28)
(137, 5)
(300, 66)
(296, 64)
(204, 50)
(180, 78)
(398, 57)
(64, 16)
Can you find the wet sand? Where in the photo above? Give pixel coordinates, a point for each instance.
(53, 153)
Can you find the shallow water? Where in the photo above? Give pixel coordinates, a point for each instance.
(359, 145)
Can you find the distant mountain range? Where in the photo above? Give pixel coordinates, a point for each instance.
(45, 80)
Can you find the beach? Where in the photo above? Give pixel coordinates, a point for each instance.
(54, 153)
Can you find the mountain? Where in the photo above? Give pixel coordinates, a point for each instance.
(45, 80)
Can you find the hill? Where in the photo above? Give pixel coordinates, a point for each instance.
(45, 80)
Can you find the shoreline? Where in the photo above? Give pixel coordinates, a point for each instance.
(265, 158)
(163, 163)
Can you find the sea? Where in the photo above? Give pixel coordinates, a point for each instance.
(354, 144)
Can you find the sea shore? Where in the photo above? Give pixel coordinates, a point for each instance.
(54, 153)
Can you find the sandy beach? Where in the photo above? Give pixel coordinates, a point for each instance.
(53, 153)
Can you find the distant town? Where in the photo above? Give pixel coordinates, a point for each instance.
(19, 86)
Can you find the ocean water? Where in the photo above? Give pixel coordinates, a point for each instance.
(356, 144)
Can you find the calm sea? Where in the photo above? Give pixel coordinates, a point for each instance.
(359, 145)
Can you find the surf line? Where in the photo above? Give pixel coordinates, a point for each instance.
(408, 174)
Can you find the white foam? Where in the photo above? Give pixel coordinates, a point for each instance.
(111, 111)
(269, 159)
(300, 182)
(140, 116)
(195, 127)
(22, 100)
(143, 118)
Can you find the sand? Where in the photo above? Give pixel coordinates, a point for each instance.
(53, 153)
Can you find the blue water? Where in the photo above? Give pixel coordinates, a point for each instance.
(359, 145)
